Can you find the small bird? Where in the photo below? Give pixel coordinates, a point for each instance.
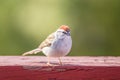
(57, 44)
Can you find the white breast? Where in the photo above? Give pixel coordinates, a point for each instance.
(59, 48)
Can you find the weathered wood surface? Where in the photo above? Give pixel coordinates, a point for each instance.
(74, 68)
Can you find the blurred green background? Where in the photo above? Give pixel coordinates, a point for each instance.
(95, 25)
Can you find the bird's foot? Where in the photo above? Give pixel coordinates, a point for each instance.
(60, 64)
(48, 64)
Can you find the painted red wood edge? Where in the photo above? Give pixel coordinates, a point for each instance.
(74, 68)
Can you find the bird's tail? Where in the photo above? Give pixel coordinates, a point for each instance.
(35, 51)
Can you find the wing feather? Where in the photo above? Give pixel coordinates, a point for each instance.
(48, 41)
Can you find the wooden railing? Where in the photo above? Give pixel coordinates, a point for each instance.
(73, 68)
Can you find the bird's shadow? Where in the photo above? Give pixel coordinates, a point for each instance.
(45, 67)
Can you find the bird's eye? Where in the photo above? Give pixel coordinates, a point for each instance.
(64, 32)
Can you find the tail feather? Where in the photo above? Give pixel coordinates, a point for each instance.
(35, 51)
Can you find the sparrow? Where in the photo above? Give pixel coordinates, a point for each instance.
(57, 44)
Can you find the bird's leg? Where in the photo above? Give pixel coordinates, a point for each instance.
(60, 62)
(48, 63)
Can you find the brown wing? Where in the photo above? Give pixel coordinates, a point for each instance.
(47, 42)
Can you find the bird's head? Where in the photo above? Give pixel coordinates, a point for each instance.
(65, 30)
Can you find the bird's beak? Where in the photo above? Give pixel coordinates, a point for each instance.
(68, 33)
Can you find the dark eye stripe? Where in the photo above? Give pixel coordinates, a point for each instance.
(64, 32)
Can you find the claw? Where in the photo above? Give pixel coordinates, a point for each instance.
(48, 64)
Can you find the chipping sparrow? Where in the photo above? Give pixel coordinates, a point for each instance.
(57, 44)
